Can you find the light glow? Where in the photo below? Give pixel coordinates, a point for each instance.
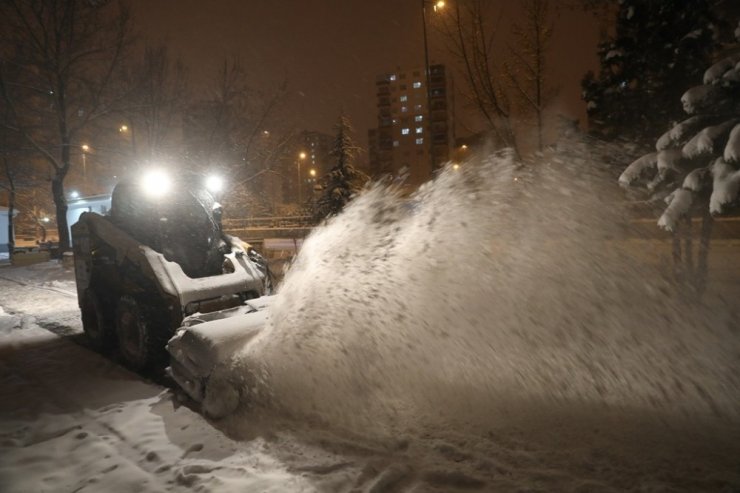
(439, 5)
(214, 183)
(155, 183)
(302, 155)
(74, 194)
(85, 147)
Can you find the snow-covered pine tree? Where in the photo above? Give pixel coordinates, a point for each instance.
(696, 164)
(343, 180)
(659, 47)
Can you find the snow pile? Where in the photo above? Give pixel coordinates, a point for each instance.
(494, 293)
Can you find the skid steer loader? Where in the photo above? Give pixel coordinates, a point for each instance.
(158, 257)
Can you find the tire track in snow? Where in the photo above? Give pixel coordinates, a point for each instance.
(54, 326)
(41, 286)
(90, 424)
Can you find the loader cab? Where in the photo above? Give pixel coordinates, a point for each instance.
(184, 224)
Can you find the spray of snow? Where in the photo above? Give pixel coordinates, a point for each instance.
(496, 291)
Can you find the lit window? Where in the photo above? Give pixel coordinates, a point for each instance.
(403, 98)
(419, 130)
(417, 85)
(395, 143)
(417, 107)
(404, 109)
(395, 121)
(420, 141)
(392, 77)
(418, 118)
(404, 131)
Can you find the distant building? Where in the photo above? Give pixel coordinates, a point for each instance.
(4, 237)
(401, 143)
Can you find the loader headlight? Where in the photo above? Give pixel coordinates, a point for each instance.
(155, 183)
(214, 183)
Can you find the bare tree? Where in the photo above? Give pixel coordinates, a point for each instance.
(228, 130)
(159, 94)
(59, 58)
(526, 70)
(470, 38)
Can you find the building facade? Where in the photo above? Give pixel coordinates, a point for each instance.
(415, 129)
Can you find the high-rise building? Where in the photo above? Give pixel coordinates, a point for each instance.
(407, 129)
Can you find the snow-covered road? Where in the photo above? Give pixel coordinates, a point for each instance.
(74, 421)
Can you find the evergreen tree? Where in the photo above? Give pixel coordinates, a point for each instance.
(696, 164)
(659, 48)
(343, 180)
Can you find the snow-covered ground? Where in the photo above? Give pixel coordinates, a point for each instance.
(487, 337)
(74, 421)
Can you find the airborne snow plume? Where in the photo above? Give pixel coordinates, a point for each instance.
(496, 292)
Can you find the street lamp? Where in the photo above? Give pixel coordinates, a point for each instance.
(85, 148)
(437, 5)
(301, 157)
(128, 131)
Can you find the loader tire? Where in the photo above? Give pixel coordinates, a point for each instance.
(96, 323)
(139, 342)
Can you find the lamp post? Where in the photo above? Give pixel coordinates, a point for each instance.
(301, 157)
(84, 148)
(438, 4)
(128, 129)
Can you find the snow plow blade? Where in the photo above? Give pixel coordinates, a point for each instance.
(207, 340)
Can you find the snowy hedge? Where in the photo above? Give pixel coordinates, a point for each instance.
(699, 156)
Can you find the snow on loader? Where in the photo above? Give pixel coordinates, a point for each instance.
(159, 257)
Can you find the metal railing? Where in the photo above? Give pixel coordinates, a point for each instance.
(271, 222)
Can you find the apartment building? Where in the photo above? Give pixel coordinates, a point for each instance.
(408, 128)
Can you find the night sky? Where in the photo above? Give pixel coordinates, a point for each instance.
(330, 51)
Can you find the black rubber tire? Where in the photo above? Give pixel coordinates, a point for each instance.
(139, 344)
(96, 322)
